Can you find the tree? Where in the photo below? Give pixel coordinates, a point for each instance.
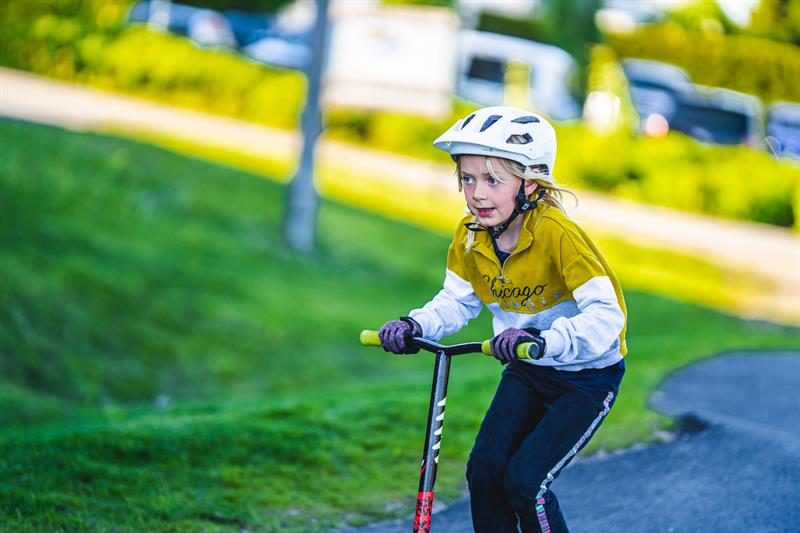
(777, 19)
(300, 221)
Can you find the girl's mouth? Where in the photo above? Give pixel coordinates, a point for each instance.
(484, 212)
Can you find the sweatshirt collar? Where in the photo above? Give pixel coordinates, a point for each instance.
(483, 241)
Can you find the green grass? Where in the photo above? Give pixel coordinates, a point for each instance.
(689, 277)
(168, 366)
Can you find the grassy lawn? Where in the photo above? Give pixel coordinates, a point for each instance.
(168, 366)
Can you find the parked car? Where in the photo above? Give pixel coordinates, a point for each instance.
(280, 39)
(204, 26)
(720, 116)
(281, 50)
(654, 88)
(483, 57)
(783, 128)
(249, 27)
(286, 40)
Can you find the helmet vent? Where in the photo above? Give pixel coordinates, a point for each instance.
(464, 125)
(489, 121)
(525, 120)
(540, 170)
(525, 138)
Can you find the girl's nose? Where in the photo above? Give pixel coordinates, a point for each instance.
(480, 190)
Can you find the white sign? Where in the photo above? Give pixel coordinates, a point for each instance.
(400, 58)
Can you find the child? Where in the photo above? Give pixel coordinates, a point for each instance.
(545, 282)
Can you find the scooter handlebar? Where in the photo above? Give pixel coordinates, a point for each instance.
(486, 347)
(370, 338)
(523, 350)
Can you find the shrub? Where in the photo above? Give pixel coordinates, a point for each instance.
(86, 42)
(728, 181)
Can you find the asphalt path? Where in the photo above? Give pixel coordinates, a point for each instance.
(733, 466)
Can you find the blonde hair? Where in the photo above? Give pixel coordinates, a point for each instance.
(553, 195)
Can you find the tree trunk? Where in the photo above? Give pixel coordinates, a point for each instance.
(300, 221)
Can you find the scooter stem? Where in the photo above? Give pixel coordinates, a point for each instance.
(433, 442)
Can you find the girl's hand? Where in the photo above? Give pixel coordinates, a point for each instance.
(505, 344)
(396, 335)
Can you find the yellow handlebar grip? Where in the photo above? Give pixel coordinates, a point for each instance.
(486, 347)
(522, 350)
(369, 338)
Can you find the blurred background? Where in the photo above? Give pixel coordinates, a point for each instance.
(175, 356)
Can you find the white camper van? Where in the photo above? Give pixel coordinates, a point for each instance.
(483, 58)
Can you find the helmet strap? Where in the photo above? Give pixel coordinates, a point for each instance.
(523, 205)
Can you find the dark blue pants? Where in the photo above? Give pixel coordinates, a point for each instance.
(538, 420)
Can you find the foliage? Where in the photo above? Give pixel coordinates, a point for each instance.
(777, 19)
(733, 181)
(767, 69)
(574, 26)
(678, 172)
(703, 15)
(86, 43)
(393, 131)
(37, 34)
(220, 385)
(568, 24)
(530, 28)
(171, 69)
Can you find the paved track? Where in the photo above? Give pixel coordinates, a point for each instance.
(736, 467)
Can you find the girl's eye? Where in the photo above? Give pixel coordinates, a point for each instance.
(466, 179)
(491, 181)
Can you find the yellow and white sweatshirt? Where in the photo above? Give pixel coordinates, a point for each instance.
(555, 280)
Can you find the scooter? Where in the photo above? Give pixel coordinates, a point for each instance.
(433, 435)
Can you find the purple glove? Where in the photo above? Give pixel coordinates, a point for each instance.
(505, 344)
(396, 335)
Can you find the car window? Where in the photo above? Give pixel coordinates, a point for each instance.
(710, 124)
(488, 69)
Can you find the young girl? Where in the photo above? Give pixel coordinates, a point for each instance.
(545, 282)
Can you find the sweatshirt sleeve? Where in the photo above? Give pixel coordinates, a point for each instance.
(589, 334)
(450, 310)
(592, 332)
(456, 304)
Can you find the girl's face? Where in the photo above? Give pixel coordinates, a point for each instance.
(491, 200)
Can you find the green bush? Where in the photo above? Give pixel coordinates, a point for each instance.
(171, 69)
(43, 35)
(393, 132)
(87, 43)
(524, 28)
(734, 182)
(678, 172)
(765, 68)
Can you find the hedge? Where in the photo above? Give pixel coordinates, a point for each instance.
(86, 42)
(678, 172)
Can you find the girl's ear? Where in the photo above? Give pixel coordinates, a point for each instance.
(530, 187)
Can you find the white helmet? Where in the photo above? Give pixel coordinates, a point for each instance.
(488, 131)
